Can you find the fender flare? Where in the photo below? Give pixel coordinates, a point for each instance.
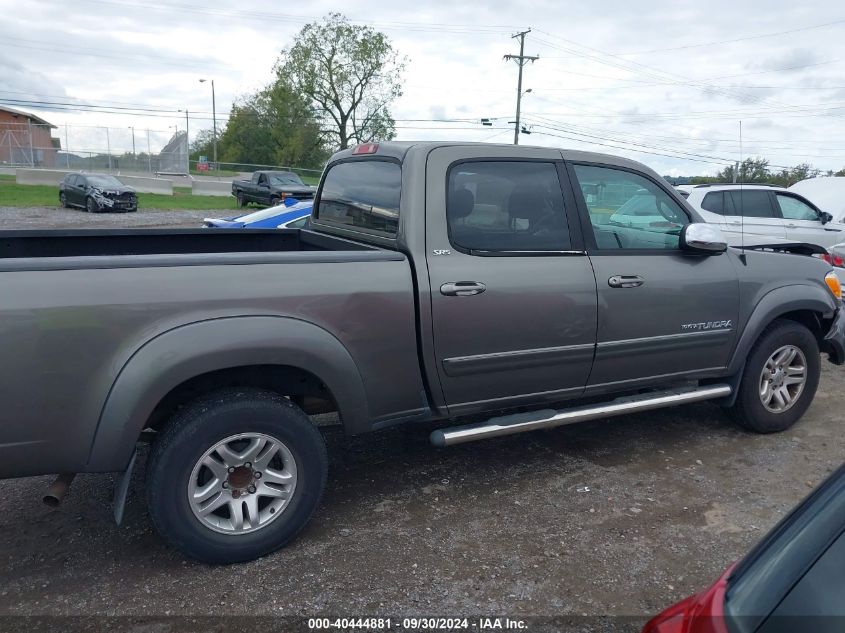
(774, 304)
(190, 350)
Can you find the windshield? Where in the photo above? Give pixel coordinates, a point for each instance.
(286, 179)
(104, 181)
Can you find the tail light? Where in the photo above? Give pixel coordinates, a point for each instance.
(701, 613)
(833, 259)
(365, 148)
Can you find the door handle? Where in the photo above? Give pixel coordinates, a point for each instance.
(462, 288)
(735, 223)
(625, 281)
(790, 226)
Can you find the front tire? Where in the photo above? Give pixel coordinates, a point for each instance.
(235, 475)
(241, 200)
(91, 206)
(779, 380)
(63, 200)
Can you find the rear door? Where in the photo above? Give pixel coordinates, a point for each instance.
(753, 212)
(77, 189)
(803, 223)
(513, 297)
(663, 312)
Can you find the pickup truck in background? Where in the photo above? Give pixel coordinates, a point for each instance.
(477, 290)
(270, 188)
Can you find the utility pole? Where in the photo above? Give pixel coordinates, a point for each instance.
(108, 147)
(133, 142)
(149, 154)
(187, 144)
(521, 60)
(214, 121)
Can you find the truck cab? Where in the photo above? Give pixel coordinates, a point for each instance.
(535, 295)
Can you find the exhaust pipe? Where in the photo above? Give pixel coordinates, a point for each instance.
(549, 418)
(58, 489)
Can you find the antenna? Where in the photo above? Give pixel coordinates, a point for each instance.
(741, 200)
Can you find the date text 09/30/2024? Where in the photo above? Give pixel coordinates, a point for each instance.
(417, 624)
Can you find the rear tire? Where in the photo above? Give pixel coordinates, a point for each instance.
(779, 380)
(230, 426)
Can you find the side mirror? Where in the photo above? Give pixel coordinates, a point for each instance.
(703, 238)
(825, 217)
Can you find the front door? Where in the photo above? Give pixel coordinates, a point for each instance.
(663, 312)
(513, 297)
(803, 223)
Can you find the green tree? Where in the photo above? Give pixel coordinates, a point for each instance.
(273, 127)
(203, 144)
(791, 175)
(750, 170)
(841, 172)
(351, 74)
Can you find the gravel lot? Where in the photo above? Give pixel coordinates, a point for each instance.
(612, 517)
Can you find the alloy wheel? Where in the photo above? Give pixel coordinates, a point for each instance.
(242, 483)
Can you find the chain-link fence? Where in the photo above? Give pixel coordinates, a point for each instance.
(27, 144)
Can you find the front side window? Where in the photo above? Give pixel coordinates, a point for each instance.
(795, 209)
(629, 211)
(714, 202)
(506, 207)
(362, 193)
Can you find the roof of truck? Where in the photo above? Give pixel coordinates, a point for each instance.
(398, 149)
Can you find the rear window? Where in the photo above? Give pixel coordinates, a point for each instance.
(362, 194)
(750, 203)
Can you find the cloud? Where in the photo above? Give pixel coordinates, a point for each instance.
(151, 54)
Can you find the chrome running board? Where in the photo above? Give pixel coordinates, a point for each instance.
(549, 418)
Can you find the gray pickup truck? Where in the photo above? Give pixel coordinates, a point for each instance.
(478, 289)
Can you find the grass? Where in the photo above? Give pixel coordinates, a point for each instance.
(14, 195)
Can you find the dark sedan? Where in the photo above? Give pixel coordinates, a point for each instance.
(793, 580)
(96, 193)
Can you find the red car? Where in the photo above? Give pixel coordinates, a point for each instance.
(792, 581)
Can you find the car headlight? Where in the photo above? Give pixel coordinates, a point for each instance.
(832, 282)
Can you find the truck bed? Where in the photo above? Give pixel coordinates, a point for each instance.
(80, 306)
(110, 242)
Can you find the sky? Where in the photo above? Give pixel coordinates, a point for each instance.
(666, 85)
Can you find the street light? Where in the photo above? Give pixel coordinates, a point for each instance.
(214, 119)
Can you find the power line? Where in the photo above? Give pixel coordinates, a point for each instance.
(737, 39)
